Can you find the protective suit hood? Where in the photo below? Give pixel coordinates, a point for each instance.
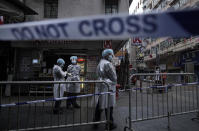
(60, 62)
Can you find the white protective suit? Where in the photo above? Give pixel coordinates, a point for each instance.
(58, 75)
(157, 77)
(74, 70)
(106, 71)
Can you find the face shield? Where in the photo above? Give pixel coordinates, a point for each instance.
(110, 57)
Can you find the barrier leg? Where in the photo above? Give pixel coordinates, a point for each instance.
(108, 115)
(130, 109)
(168, 112)
(129, 118)
(197, 99)
(168, 120)
(196, 118)
(125, 128)
(0, 96)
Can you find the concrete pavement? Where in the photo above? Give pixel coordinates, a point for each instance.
(40, 115)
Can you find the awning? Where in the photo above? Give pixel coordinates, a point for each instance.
(15, 8)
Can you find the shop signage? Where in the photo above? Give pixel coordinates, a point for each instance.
(80, 59)
(136, 40)
(108, 44)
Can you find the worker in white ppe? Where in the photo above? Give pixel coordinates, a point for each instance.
(58, 90)
(106, 72)
(74, 88)
(157, 77)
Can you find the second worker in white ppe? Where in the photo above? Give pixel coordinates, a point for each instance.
(74, 88)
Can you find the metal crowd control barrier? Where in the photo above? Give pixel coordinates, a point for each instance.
(151, 103)
(33, 111)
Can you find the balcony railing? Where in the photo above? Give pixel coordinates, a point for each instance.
(180, 46)
(156, 3)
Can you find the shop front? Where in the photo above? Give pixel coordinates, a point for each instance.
(190, 60)
(35, 60)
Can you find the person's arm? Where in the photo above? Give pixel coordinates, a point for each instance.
(79, 69)
(63, 73)
(58, 72)
(68, 71)
(110, 71)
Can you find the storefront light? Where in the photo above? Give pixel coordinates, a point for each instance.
(80, 60)
(82, 85)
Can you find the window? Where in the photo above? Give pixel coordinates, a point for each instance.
(164, 4)
(111, 6)
(153, 50)
(50, 8)
(188, 55)
(183, 2)
(176, 5)
(193, 55)
(150, 6)
(147, 52)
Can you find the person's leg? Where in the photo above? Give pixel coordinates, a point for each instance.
(56, 105)
(75, 101)
(112, 124)
(111, 114)
(69, 101)
(97, 116)
(98, 112)
(57, 108)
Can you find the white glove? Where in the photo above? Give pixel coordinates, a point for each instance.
(65, 73)
(69, 74)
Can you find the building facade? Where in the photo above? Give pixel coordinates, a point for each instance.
(136, 7)
(11, 12)
(183, 51)
(35, 59)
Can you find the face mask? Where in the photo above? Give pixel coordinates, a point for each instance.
(110, 58)
(74, 61)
